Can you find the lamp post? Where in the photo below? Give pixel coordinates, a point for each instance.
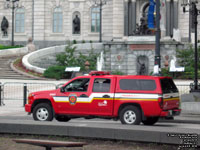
(12, 4)
(194, 12)
(157, 50)
(99, 3)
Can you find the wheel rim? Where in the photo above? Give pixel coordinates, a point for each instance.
(129, 117)
(42, 114)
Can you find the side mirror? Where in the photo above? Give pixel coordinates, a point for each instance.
(62, 90)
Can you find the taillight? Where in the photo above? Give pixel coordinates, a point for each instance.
(160, 101)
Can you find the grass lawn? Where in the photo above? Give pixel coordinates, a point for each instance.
(3, 47)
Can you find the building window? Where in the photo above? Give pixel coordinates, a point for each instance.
(95, 21)
(57, 20)
(19, 20)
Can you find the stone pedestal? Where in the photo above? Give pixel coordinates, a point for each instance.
(190, 103)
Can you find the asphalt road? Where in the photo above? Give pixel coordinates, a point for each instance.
(161, 132)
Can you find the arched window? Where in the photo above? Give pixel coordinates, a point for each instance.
(95, 19)
(57, 20)
(19, 20)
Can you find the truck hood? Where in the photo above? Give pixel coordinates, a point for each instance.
(47, 92)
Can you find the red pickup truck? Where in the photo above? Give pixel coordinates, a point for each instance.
(129, 98)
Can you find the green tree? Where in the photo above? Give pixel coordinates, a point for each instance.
(186, 59)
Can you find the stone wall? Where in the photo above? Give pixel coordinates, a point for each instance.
(39, 60)
(122, 56)
(118, 56)
(13, 52)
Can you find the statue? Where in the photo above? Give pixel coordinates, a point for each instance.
(142, 69)
(30, 45)
(142, 29)
(4, 26)
(76, 25)
(166, 64)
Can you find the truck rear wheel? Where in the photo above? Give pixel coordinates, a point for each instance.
(43, 112)
(150, 120)
(130, 115)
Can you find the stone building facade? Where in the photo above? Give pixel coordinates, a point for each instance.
(128, 42)
(51, 22)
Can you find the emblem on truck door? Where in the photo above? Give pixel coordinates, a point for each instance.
(72, 99)
(104, 103)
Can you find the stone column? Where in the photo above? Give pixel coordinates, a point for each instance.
(176, 14)
(168, 19)
(39, 17)
(126, 18)
(133, 16)
(118, 19)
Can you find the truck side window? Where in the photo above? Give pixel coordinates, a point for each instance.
(101, 85)
(79, 85)
(137, 84)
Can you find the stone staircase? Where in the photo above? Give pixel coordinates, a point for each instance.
(7, 73)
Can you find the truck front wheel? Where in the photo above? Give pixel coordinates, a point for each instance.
(130, 115)
(43, 112)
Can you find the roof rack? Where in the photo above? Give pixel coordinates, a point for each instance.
(99, 73)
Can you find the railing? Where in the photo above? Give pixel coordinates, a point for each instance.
(183, 88)
(19, 91)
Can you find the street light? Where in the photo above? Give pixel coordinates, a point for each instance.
(195, 12)
(99, 3)
(157, 50)
(12, 4)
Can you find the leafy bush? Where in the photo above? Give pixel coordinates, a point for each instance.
(2, 47)
(165, 72)
(56, 72)
(74, 42)
(117, 72)
(68, 59)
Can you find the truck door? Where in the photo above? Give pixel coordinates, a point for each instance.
(74, 97)
(102, 96)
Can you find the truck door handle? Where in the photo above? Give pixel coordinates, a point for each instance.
(83, 95)
(106, 96)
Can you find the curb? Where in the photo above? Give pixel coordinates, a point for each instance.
(116, 132)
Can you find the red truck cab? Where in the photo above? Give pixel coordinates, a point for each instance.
(132, 99)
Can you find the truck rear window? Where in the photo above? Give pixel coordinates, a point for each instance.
(168, 86)
(137, 84)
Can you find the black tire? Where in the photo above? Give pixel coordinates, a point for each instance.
(150, 120)
(62, 118)
(130, 115)
(43, 112)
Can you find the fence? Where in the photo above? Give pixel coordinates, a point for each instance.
(183, 88)
(19, 91)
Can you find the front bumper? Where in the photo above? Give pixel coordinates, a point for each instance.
(28, 108)
(170, 113)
